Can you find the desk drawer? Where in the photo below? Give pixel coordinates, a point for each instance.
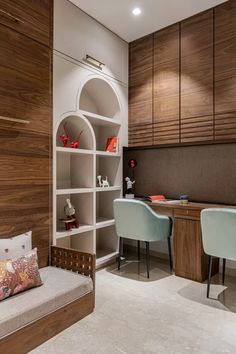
(162, 210)
(187, 214)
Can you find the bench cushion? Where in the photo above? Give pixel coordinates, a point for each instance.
(60, 288)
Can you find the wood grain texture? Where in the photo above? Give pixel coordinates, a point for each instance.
(34, 18)
(190, 261)
(225, 126)
(25, 151)
(140, 54)
(25, 90)
(225, 58)
(197, 78)
(166, 86)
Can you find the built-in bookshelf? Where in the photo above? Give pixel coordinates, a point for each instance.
(99, 117)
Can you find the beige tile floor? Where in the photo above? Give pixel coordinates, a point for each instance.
(165, 314)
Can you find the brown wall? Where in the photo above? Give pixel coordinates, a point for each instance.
(206, 172)
(182, 81)
(25, 93)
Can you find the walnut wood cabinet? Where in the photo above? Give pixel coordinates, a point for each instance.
(25, 152)
(30, 17)
(183, 83)
(197, 78)
(166, 86)
(140, 91)
(225, 71)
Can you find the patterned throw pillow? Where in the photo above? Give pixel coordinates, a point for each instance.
(19, 274)
(15, 246)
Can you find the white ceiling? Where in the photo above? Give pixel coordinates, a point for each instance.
(156, 14)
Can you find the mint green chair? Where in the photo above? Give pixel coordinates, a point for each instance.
(137, 221)
(219, 237)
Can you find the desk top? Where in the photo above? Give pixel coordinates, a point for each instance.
(190, 205)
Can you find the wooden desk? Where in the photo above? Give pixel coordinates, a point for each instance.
(190, 261)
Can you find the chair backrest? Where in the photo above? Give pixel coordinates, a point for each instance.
(219, 232)
(136, 220)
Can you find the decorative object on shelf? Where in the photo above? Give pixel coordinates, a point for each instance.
(71, 221)
(129, 190)
(184, 199)
(132, 163)
(103, 182)
(112, 144)
(75, 144)
(64, 137)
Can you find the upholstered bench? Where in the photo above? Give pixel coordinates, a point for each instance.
(31, 317)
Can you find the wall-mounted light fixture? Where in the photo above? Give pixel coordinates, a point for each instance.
(92, 61)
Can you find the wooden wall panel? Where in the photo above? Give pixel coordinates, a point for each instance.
(29, 17)
(25, 150)
(225, 71)
(140, 91)
(166, 86)
(197, 78)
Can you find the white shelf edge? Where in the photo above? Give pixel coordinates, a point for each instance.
(96, 118)
(105, 223)
(74, 151)
(80, 230)
(108, 189)
(106, 258)
(62, 191)
(109, 154)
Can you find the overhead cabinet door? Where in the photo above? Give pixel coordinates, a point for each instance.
(140, 91)
(166, 86)
(225, 71)
(197, 78)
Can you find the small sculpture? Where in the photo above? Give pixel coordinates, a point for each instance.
(103, 182)
(75, 144)
(71, 221)
(64, 137)
(129, 186)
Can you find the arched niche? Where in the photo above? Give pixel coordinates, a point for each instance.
(74, 125)
(98, 97)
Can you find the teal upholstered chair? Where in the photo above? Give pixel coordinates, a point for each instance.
(136, 220)
(218, 236)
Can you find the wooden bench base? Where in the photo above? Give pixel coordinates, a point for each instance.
(31, 336)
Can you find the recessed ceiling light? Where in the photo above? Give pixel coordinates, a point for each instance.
(136, 11)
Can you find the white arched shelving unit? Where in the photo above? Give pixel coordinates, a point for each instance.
(99, 116)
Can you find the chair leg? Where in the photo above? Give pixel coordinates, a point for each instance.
(223, 273)
(120, 252)
(209, 276)
(170, 255)
(139, 250)
(147, 258)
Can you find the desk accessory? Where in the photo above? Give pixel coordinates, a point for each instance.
(184, 199)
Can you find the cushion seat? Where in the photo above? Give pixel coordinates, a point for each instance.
(60, 287)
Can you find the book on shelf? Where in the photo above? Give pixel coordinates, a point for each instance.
(112, 144)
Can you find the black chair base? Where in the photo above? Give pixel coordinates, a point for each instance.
(147, 255)
(210, 272)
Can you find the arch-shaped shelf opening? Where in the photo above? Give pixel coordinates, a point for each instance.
(72, 126)
(98, 97)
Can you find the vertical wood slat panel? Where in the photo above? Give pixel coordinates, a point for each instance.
(166, 86)
(25, 152)
(197, 78)
(140, 91)
(207, 86)
(225, 58)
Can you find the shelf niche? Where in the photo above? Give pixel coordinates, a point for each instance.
(98, 97)
(74, 125)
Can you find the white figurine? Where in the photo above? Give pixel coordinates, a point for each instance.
(99, 181)
(103, 182)
(129, 185)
